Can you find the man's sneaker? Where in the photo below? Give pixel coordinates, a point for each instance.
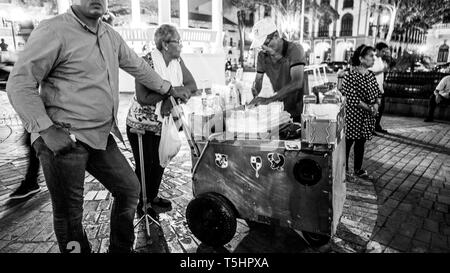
(362, 174)
(24, 190)
(428, 120)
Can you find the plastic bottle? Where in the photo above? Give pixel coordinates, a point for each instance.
(204, 102)
(232, 96)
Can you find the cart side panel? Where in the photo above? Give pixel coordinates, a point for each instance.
(262, 195)
(236, 181)
(310, 205)
(274, 196)
(339, 186)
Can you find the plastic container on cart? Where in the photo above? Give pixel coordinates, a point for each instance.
(323, 123)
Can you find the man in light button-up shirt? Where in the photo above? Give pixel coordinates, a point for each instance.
(75, 58)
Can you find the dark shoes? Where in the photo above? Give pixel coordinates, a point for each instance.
(429, 120)
(381, 130)
(362, 174)
(150, 211)
(161, 202)
(25, 189)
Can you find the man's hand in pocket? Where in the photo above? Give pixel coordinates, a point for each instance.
(57, 140)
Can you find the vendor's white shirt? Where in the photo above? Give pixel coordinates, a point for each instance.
(379, 66)
(444, 87)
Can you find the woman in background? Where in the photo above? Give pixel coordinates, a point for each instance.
(363, 100)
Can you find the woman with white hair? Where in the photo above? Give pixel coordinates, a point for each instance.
(144, 113)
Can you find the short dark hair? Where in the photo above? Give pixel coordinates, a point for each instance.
(361, 51)
(380, 46)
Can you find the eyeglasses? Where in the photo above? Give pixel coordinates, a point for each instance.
(179, 42)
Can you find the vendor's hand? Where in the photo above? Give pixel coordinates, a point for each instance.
(181, 92)
(166, 108)
(260, 101)
(57, 140)
(438, 98)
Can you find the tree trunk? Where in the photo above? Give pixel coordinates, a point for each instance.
(240, 14)
(392, 24)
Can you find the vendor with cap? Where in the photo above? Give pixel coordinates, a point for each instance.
(283, 62)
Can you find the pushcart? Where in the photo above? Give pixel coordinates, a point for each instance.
(289, 183)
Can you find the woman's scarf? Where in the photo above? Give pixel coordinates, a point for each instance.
(171, 73)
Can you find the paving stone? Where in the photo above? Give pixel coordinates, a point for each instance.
(438, 240)
(189, 245)
(12, 247)
(28, 247)
(408, 230)
(423, 236)
(91, 217)
(90, 195)
(422, 212)
(431, 225)
(426, 203)
(95, 245)
(405, 207)
(419, 247)
(45, 234)
(92, 230)
(43, 247)
(102, 195)
(384, 236)
(401, 243)
(90, 205)
(444, 199)
(441, 207)
(54, 248)
(436, 216)
(104, 230)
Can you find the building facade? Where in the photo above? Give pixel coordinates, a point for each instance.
(359, 23)
(438, 41)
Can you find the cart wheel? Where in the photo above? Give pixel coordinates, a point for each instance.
(316, 240)
(211, 219)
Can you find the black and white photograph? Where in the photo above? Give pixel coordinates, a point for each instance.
(239, 128)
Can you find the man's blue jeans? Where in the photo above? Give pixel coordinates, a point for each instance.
(65, 174)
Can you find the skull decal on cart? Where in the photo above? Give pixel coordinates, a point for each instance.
(222, 161)
(256, 163)
(276, 161)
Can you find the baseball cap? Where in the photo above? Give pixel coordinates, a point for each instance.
(261, 30)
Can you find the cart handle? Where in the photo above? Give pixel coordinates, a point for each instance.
(178, 112)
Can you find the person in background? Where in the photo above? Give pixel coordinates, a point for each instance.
(166, 61)
(379, 68)
(440, 94)
(283, 62)
(75, 59)
(3, 45)
(363, 100)
(29, 185)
